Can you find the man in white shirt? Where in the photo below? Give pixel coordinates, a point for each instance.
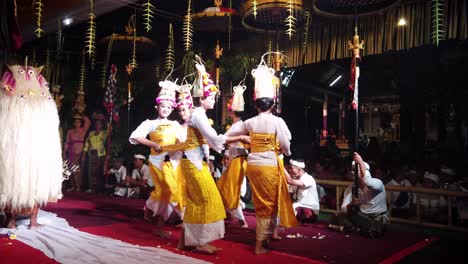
(369, 217)
(140, 177)
(304, 194)
(400, 200)
(117, 176)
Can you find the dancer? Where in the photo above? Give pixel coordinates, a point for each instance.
(30, 151)
(162, 131)
(73, 147)
(231, 181)
(204, 213)
(95, 148)
(185, 107)
(265, 170)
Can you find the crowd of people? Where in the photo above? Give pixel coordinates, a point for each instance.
(181, 179)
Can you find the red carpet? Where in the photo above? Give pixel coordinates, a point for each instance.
(122, 219)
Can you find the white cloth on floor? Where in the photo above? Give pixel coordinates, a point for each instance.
(66, 244)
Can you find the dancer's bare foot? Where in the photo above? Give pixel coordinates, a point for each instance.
(259, 248)
(11, 221)
(148, 216)
(213, 247)
(275, 235)
(205, 249)
(34, 226)
(162, 233)
(243, 224)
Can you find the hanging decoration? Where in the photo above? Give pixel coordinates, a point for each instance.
(229, 26)
(106, 61)
(133, 62)
(48, 66)
(290, 20)
(157, 69)
(39, 9)
(269, 52)
(170, 52)
(148, 15)
(80, 105)
(91, 32)
(308, 18)
(254, 2)
(188, 28)
(273, 16)
(438, 32)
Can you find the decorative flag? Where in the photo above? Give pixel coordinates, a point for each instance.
(109, 96)
(355, 46)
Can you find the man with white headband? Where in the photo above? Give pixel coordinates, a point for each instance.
(370, 218)
(304, 192)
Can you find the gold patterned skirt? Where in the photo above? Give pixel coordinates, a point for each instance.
(230, 183)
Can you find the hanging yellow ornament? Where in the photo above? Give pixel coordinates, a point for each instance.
(188, 27)
(39, 6)
(148, 15)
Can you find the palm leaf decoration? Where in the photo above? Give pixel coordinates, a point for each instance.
(39, 8)
(48, 66)
(91, 32)
(308, 18)
(438, 32)
(133, 61)
(229, 26)
(269, 48)
(82, 73)
(106, 62)
(188, 64)
(188, 27)
(148, 15)
(157, 70)
(255, 8)
(290, 20)
(170, 52)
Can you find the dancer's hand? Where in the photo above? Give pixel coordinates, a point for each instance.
(245, 139)
(156, 147)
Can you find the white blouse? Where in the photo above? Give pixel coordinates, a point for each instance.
(236, 149)
(149, 126)
(199, 120)
(267, 123)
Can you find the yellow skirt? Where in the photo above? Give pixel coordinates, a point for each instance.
(165, 183)
(204, 204)
(270, 194)
(229, 184)
(181, 188)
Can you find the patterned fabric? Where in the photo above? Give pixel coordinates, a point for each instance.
(230, 182)
(110, 95)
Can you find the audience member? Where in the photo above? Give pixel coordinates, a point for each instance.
(367, 212)
(303, 191)
(140, 176)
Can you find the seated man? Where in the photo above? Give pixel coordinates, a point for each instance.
(304, 192)
(400, 200)
(367, 212)
(434, 207)
(117, 175)
(140, 177)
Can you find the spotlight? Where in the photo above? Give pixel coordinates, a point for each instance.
(402, 22)
(337, 79)
(67, 21)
